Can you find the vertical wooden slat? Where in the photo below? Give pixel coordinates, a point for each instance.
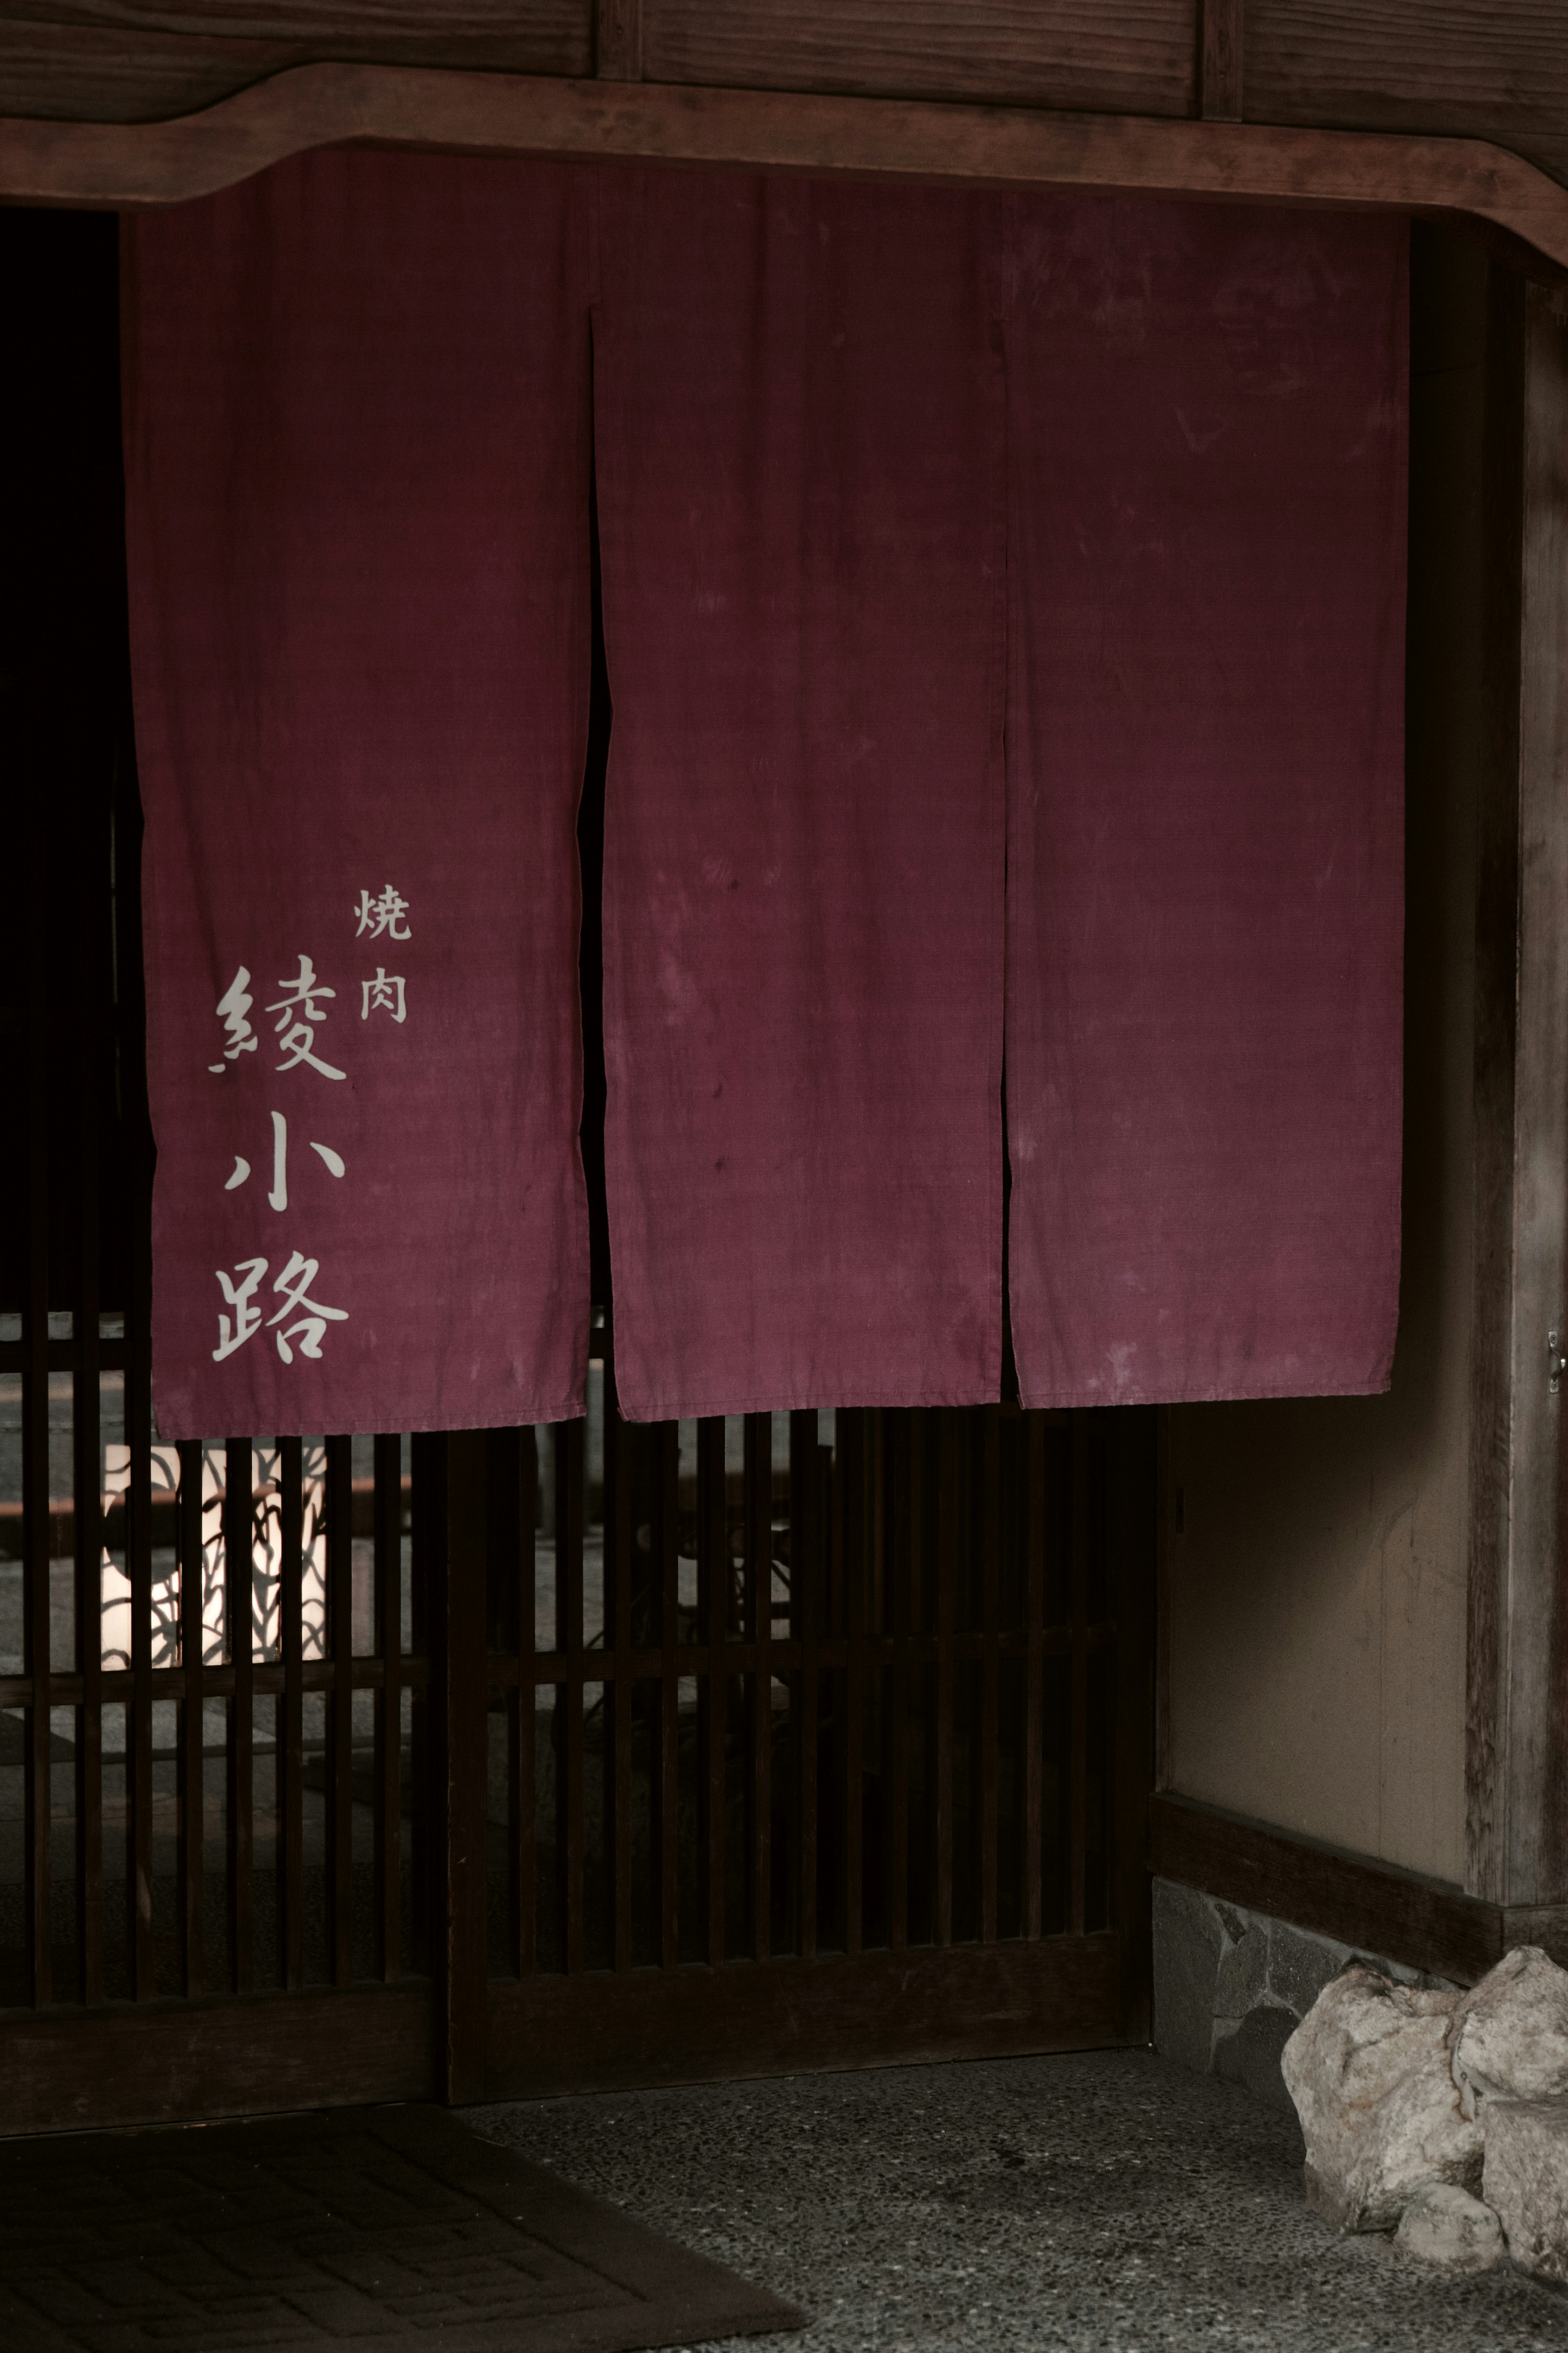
(88, 1502)
(713, 1586)
(805, 1580)
(340, 1709)
(1079, 1750)
(239, 1609)
(947, 1540)
(139, 1568)
(617, 1711)
(853, 1432)
(428, 1454)
(1131, 1525)
(458, 1695)
(758, 1485)
(525, 1914)
(618, 40)
(1220, 60)
(388, 1540)
(191, 1875)
(904, 1573)
(990, 1436)
(569, 1449)
(667, 1557)
(35, 1418)
(289, 1760)
(1034, 1540)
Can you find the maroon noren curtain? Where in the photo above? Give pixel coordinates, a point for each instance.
(357, 478)
(961, 554)
(799, 438)
(1207, 442)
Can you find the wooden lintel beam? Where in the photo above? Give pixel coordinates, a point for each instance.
(620, 120)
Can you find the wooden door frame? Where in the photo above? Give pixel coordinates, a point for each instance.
(1517, 1698)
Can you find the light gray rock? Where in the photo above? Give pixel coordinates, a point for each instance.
(1368, 2071)
(1450, 2230)
(1511, 2031)
(1526, 2180)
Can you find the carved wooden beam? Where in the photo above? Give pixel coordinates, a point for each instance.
(623, 120)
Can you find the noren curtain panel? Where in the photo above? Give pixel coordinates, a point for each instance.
(1002, 604)
(357, 471)
(1206, 430)
(799, 432)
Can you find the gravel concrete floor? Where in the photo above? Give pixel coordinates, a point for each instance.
(1106, 2200)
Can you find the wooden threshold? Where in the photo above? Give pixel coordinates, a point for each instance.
(1399, 1916)
(606, 2030)
(512, 114)
(179, 2061)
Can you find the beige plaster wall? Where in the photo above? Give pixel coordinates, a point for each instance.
(1315, 1596)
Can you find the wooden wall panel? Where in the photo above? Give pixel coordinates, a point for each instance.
(66, 73)
(103, 67)
(1137, 56)
(1481, 68)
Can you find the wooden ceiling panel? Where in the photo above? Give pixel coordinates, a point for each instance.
(1111, 57)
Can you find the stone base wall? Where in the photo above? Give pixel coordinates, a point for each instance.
(1231, 1985)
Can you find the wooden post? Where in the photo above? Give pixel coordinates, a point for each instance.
(618, 40)
(458, 1697)
(1517, 1732)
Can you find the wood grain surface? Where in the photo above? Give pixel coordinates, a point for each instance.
(88, 73)
(1537, 1841)
(163, 2063)
(1492, 1132)
(1474, 67)
(556, 2033)
(318, 105)
(1138, 58)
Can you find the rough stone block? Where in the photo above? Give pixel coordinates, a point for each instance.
(1250, 2056)
(1511, 2031)
(1526, 2180)
(1243, 1972)
(1188, 1945)
(1450, 2231)
(1368, 2071)
(1300, 1965)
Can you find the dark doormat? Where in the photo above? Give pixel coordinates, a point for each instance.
(382, 2228)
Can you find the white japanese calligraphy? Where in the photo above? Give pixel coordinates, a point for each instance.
(279, 1195)
(385, 991)
(300, 1015)
(294, 1283)
(384, 915)
(232, 1007)
(247, 1315)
